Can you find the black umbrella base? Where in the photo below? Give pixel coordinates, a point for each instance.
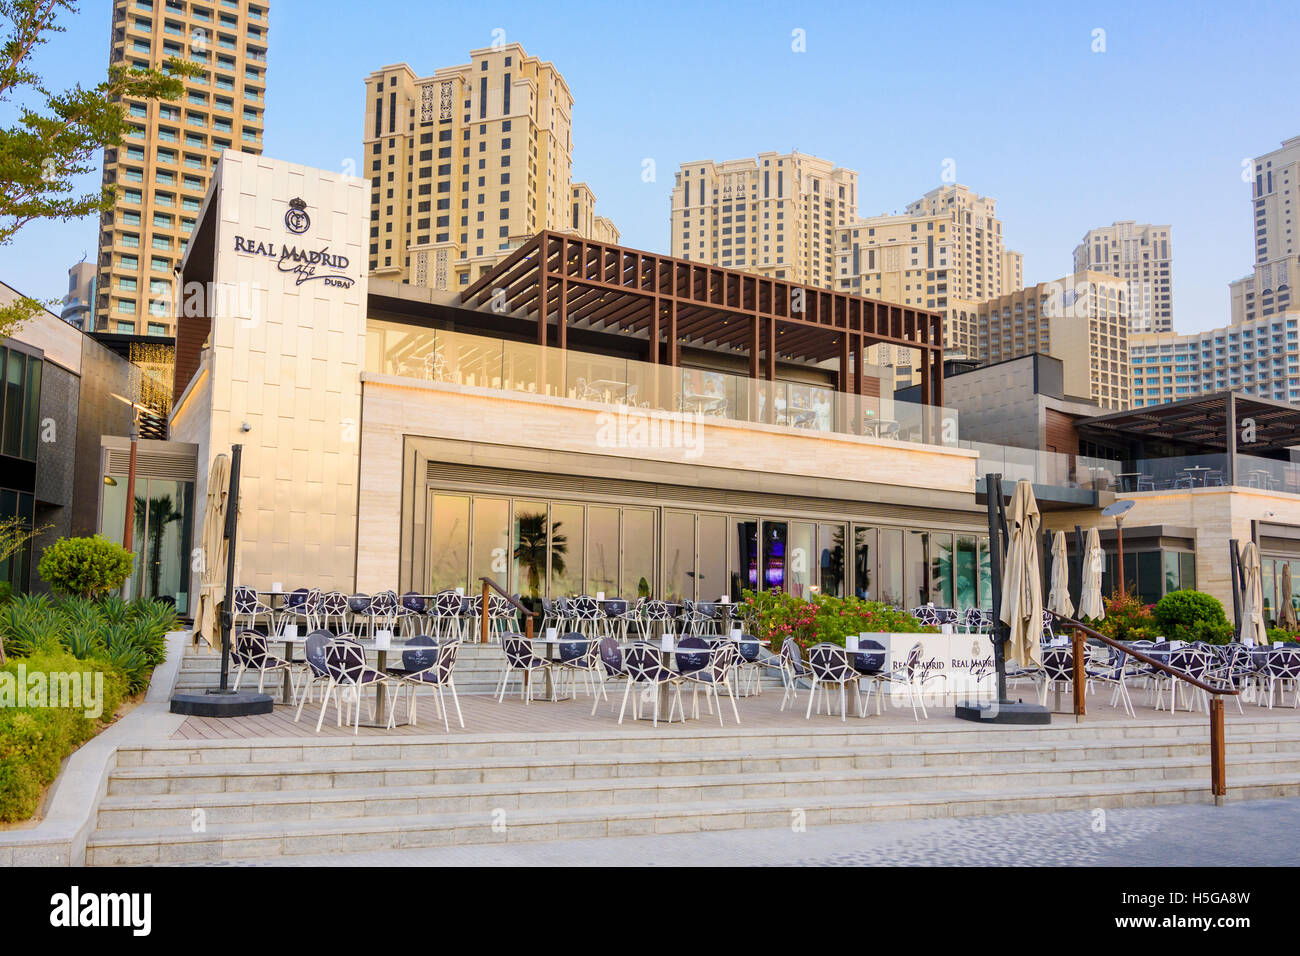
(1006, 712)
(216, 703)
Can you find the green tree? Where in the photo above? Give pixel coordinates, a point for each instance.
(88, 567)
(58, 133)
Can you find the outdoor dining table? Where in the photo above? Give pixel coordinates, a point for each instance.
(381, 665)
(552, 646)
(872, 426)
(1194, 473)
(704, 404)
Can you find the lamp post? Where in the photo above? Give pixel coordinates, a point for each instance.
(1117, 510)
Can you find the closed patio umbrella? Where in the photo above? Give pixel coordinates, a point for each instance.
(1286, 610)
(1252, 627)
(1058, 599)
(1091, 605)
(212, 575)
(1022, 589)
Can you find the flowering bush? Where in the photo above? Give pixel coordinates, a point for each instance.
(776, 615)
(1128, 619)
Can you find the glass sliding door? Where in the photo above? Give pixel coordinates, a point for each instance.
(889, 560)
(528, 551)
(830, 559)
(866, 583)
(916, 573)
(638, 566)
(679, 556)
(491, 542)
(941, 567)
(744, 556)
(800, 558)
(966, 558)
(448, 560)
(986, 574)
(567, 538)
(711, 557)
(775, 544)
(602, 551)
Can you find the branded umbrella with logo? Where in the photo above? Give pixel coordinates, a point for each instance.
(1091, 605)
(1058, 599)
(1022, 589)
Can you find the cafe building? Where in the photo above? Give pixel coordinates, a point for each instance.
(581, 418)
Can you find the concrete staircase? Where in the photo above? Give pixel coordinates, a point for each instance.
(189, 800)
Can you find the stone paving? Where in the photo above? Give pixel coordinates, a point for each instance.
(1239, 834)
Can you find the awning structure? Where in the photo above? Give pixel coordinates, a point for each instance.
(1205, 421)
(565, 282)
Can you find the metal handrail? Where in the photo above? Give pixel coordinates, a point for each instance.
(1218, 751)
(485, 618)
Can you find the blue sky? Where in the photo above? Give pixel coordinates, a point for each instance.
(1155, 128)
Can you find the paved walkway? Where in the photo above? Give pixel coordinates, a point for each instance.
(1240, 834)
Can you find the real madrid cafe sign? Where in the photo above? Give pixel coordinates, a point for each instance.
(303, 263)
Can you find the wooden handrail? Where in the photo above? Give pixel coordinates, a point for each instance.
(485, 622)
(1218, 752)
(1159, 665)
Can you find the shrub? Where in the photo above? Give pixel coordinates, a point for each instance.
(1128, 619)
(35, 740)
(1192, 616)
(85, 566)
(775, 615)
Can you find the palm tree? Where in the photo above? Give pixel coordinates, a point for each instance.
(161, 512)
(530, 550)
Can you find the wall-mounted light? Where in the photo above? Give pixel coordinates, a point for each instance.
(245, 427)
(110, 481)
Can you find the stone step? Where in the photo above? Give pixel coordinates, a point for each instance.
(859, 736)
(305, 774)
(244, 841)
(395, 794)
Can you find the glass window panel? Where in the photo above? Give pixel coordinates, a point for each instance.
(566, 549)
(638, 553)
(986, 574)
(799, 559)
(830, 559)
(889, 558)
(33, 408)
(1150, 575)
(865, 583)
(1187, 570)
(711, 557)
(1171, 571)
(488, 557)
(967, 557)
(602, 550)
(775, 542)
(449, 543)
(941, 569)
(528, 551)
(13, 413)
(916, 578)
(679, 555)
(744, 556)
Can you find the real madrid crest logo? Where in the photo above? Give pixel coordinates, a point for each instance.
(296, 219)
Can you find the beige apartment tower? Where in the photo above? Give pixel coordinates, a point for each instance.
(945, 253)
(1138, 253)
(1081, 319)
(775, 216)
(1275, 217)
(466, 164)
(162, 168)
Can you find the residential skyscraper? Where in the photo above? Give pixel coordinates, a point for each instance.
(466, 164)
(944, 253)
(79, 303)
(1275, 208)
(1139, 254)
(162, 168)
(1259, 357)
(775, 215)
(1080, 319)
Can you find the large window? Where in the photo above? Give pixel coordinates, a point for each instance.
(20, 403)
(161, 537)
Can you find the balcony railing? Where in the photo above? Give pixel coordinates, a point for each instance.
(484, 362)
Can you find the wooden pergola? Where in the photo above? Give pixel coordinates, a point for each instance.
(568, 282)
